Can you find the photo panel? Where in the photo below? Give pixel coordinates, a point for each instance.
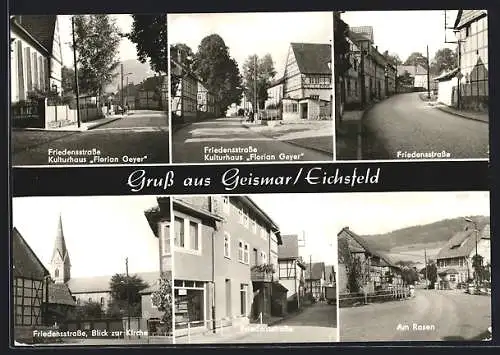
(406, 91)
(415, 266)
(89, 89)
(248, 270)
(251, 87)
(79, 277)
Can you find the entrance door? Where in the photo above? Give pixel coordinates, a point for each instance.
(303, 109)
(228, 298)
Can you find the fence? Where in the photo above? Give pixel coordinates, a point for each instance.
(350, 299)
(209, 326)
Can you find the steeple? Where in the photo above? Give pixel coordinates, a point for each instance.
(60, 264)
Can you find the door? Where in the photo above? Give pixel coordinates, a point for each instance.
(303, 110)
(255, 257)
(228, 298)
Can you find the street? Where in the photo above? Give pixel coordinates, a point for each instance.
(201, 142)
(140, 137)
(317, 323)
(432, 315)
(406, 124)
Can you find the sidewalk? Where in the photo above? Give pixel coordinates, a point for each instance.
(315, 135)
(348, 136)
(84, 126)
(471, 115)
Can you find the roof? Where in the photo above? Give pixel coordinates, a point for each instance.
(152, 83)
(412, 69)
(60, 294)
(276, 82)
(183, 205)
(365, 32)
(255, 207)
(313, 58)
(463, 243)
(25, 262)
(40, 27)
(60, 244)
(368, 247)
(445, 76)
(448, 271)
(315, 271)
(157, 213)
(464, 17)
(96, 284)
(356, 37)
(289, 249)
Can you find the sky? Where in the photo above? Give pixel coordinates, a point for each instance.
(321, 216)
(100, 232)
(253, 33)
(405, 32)
(127, 49)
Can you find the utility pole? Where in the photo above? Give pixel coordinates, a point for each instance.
(255, 84)
(363, 89)
(310, 274)
(121, 91)
(76, 73)
(128, 293)
(426, 270)
(428, 75)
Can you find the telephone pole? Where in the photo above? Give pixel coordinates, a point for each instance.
(310, 274)
(128, 293)
(426, 270)
(255, 84)
(121, 91)
(76, 73)
(428, 75)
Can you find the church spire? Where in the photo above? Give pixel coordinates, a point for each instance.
(60, 263)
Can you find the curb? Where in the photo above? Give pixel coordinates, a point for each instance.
(92, 126)
(324, 151)
(180, 126)
(442, 109)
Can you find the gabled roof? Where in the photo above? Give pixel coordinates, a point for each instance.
(96, 284)
(158, 213)
(315, 271)
(276, 82)
(445, 76)
(365, 32)
(412, 69)
(40, 27)
(464, 17)
(313, 58)
(60, 294)
(289, 249)
(368, 247)
(330, 270)
(25, 262)
(463, 243)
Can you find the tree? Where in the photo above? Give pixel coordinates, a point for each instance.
(125, 293)
(392, 58)
(444, 60)
(431, 274)
(258, 73)
(162, 299)
(97, 40)
(149, 33)
(477, 265)
(353, 266)
(183, 55)
(215, 67)
(68, 80)
(341, 63)
(409, 275)
(88, 310)
(416, 58)
(405, 80)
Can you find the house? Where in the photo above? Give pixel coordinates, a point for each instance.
(152, 93)
(35, 59)
(418, 74)
(330, 275)
(446, 87)
(378, 271)
(206, 102)
(307, 82)
(454, 260)
(37, 301)
(291, 271)
(471, 28)
(315, 279)
(225, 261)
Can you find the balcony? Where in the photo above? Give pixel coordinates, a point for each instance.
(262, 273)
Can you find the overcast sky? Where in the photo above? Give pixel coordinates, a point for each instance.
(405, 32)
(322, 216)
(253, 33)
(100, 232)
(127, 49)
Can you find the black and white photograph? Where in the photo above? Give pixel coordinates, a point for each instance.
(89, 89)
(411, 85)
(251, 87)
(79, 277)
(415, 266)
(248, 270)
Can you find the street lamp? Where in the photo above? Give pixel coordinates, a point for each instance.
(474, 223)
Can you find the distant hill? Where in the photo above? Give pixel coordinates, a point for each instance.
(440, 231)
(138, 70)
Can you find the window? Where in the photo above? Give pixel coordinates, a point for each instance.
(165, 238)
(240, 215)
(246, 253)
(243, 299)
(453, 278)
(102, 301)
(90, 299)
(56, 273)
(194, 235)
(225, 204)
(240, 251)
(315, 97)
(263, 257)
(179, 232)
(227, 245)
(263, 233)
(254, 226)
(245, 218)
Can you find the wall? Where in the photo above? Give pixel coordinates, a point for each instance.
(94, 296)
(148, 310)
(445, 91)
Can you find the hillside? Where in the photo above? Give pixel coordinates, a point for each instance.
(138, 70)
(437, 232)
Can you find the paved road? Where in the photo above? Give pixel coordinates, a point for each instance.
(317, 323)
(405, 123)
(192, 144)
(143, 135)
(449, 315)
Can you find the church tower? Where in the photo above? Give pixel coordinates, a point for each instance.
(60, 265)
